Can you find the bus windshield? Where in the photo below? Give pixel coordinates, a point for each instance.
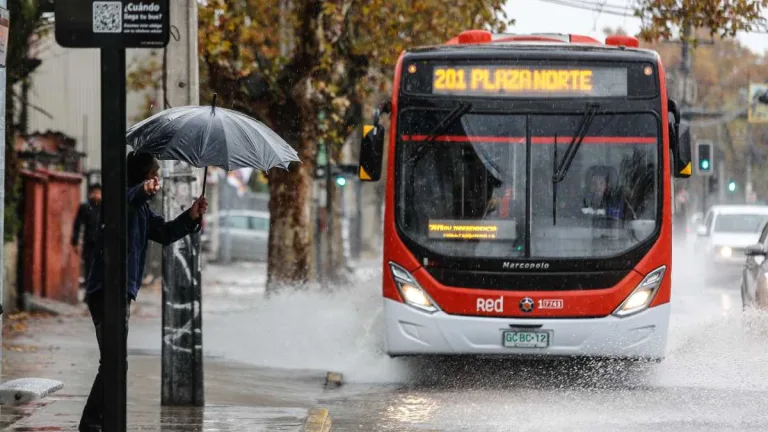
(484, 188)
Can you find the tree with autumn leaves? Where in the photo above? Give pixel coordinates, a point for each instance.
(723, 70)
(308, 68)
(305, 68)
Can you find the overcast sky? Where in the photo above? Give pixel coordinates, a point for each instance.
(536, 16)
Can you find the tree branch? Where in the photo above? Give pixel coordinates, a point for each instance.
(305, 57)
(33, 106)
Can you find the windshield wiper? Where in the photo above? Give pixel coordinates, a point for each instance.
(456, 113)
(453, 115)
(573, 147)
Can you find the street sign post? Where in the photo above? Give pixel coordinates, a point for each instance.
(113, 26)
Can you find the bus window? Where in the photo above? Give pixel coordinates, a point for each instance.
(618, 160)
(464, 193)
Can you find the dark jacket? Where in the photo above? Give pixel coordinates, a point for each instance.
(143, 225)
(88, 218)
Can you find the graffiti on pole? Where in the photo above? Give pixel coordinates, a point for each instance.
(182, 357)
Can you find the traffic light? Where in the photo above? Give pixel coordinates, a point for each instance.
(732, 185)
(704, 158)
(341, 180)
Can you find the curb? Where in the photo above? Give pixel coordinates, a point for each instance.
(26, 390)
(52, 307)
(318, 420)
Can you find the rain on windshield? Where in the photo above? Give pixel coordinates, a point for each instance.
(464, 194)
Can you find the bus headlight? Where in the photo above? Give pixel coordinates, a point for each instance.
(643, 295)
(410, 291)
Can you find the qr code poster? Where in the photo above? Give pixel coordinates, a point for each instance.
(107, 17)
(112, 24)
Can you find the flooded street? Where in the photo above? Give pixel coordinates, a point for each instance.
(714, 377)
(275, 352)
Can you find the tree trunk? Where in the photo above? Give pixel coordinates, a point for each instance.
(291, 230)
(335, 263)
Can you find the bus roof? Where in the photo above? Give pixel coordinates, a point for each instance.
(620, 47)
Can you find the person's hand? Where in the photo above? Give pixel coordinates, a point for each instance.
(152, 186)
(198, 208)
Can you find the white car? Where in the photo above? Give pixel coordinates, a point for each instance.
(244, 232)
(727, 231)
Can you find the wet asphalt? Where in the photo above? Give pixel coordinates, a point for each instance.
(275, 352)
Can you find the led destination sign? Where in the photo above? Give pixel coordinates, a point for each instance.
(523, 81)
(472, 230)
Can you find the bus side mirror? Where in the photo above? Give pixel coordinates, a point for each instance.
(372, 147)
(679, 142)
(371, 153)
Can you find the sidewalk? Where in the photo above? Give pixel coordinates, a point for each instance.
(238, 397)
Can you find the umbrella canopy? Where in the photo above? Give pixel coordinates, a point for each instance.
(205, 136)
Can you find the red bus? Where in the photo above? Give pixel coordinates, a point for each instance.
(528, 197)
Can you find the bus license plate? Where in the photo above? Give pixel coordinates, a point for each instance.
(525, 339)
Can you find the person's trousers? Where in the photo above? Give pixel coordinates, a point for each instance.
(88, 255)
(94, 406)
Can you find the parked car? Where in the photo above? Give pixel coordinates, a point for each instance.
(245, 231)
(754, 278)
(725, 234)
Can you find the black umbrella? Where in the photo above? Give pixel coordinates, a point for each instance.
(204, 136)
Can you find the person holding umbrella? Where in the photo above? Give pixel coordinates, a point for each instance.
(143, 225)
(201, 136)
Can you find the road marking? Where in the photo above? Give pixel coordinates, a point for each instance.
(318, 420)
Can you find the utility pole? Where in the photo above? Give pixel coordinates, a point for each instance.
(359, 218)
(721, 180)
(328, 261)
(3, 78)
(685, 61)
(182, 340)
(750, 151)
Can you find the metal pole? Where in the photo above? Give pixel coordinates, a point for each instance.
(721, 181)
(227, 192)
(215, 229)
(345, 243)
(685, 58)
(114, 339)
(359, 216)
(318, 240)
(3, 77)
(748, 180)
(182, 340)
(329, 218)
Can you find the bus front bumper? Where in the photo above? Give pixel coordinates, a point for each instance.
(412, 332)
